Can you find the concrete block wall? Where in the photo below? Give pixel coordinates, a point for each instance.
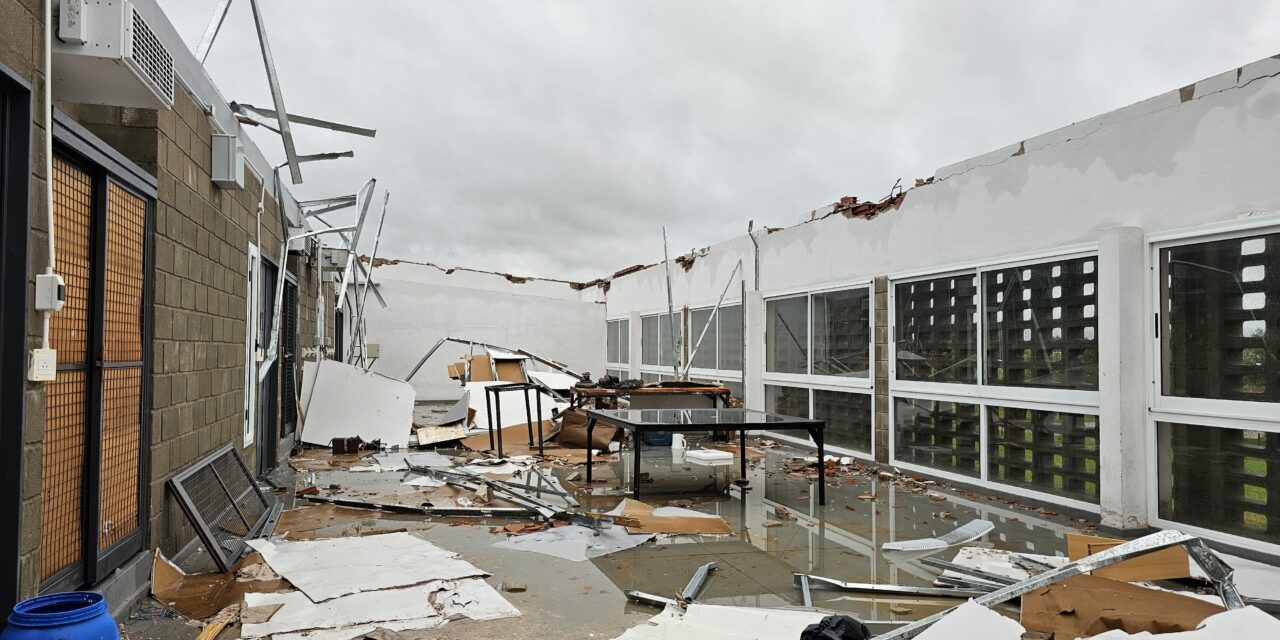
(22, 51)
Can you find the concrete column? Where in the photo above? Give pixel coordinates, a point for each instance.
(1122, 377)
(633, 340)
(880, 429)
(753, 355)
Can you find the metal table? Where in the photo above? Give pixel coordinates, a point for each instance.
(639, 421)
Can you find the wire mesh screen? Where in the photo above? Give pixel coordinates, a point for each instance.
(1049, 451)
(1041, 325)
(122, 326)
(221, 499)
(1221, 479)
(62, 472)
(1221, 310)
(121, 438)
(936, 329)
(939, 434)
(73, 231)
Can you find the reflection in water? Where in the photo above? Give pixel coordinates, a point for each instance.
(780, 529)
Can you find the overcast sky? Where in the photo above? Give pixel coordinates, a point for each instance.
(556, 137)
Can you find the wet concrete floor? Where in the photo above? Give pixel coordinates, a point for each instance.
(778, 529)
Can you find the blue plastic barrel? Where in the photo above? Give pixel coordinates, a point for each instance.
(75, 615)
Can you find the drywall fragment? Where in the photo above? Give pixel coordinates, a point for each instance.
(575, 542)
(299, 613)
(322, 568)
(971, 621)
(703, 621)
(349, 401)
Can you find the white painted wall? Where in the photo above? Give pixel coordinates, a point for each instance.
(424, 304)
(1160, 164)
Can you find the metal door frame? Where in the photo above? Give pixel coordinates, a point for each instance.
(16, 107)
(79, 147)
(289, 357)
(268, 387)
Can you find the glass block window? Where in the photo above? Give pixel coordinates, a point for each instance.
(841, 328)
(1220, 326)
(935, 332)
(705, 358)
(1041, 325)
(649, 340)
(1222, 479)
(786, 335)
(848, 417)
(730, 338)
(788, 401)
(938, 434)
(1048, 451)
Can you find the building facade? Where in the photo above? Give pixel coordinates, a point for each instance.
(162, 339)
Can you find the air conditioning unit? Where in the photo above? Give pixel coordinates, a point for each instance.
(228, 161)
(105, 53)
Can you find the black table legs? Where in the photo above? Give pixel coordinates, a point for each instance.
(816, 434)
(591, 426)
(635, 462)
(742, 454)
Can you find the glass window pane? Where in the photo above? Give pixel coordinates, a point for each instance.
(730, 319)
(624, 341)
(848, 417)
(788, 401)
(1223, 479)
(705, 358)
(1045, 450)
(735, 389)
(619, 374)
(935, 329)
(842, 333)
(649, 340)
(938, 434)
(648, 378)
(1042, 324)
(665, 355)
(611, 342)
(786, 335)
(1221, 307)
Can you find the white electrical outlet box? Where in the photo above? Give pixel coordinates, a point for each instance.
(228, 162)
(50, 292)
(43, 366)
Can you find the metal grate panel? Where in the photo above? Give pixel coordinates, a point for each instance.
(121, 438)
(62, 472)
(289, 360)
(151, 57)
(221, 499)
(122, 329)
(73, 229)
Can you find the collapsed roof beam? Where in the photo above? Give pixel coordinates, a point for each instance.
(265, 116)
(277, 96)
(211, 32)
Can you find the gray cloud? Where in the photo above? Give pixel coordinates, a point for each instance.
(555, 138)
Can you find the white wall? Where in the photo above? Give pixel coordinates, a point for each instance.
(1160, 164)
(424, 304)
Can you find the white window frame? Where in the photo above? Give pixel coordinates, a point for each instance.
(664, 370)
(734, 375)
(622, 339)
(811, 381)
(1208, 412)
(979, 393)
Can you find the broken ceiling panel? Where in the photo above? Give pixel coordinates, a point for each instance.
(348, 401)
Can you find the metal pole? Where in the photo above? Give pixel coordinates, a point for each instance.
(706, 326)
(671, 312)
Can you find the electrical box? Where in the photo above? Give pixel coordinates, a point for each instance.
(228, 162)
(50, 292)
(106, 53)
(43, 366)
(373, 350)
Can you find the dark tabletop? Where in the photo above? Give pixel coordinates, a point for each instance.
(699, 419)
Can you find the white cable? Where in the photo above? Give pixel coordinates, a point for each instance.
(48, 156)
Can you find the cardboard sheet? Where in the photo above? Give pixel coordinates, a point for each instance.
(348, 401)
(325, 521)
(1087, 605)
(1238, 624)
(1166, 564)
(573, 431)
(480, 368)
(669, 519)
(199, 596)
(515, 438)
(510, 370)
(574, 542)
(705, 621)
(321, 569)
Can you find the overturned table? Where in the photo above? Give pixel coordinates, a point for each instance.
(640, 421)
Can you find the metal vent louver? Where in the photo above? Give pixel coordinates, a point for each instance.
(148, 56)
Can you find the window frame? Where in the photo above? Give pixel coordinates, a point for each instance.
(615, 324)
(1191, 407)
(664, 370)
(1207, 412)
(985, 396)
(718, 373)
(831, 449)
(839, 383)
